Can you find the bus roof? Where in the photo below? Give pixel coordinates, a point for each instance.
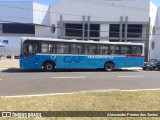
(79, 41)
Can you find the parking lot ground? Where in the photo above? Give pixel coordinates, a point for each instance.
(8, 63)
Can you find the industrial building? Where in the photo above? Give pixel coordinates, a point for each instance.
(100, 20)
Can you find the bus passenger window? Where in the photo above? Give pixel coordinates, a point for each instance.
(114, 50)
(76, 49)
(102, 50)
(137, 50)
(48, 48)
(63, 48)
(125, 49)
(90, 49)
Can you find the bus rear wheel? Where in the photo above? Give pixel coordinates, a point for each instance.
(109, 66)
(49, 67)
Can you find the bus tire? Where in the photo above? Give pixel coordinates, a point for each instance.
(49, 67)
(144, 68)
(109, 66)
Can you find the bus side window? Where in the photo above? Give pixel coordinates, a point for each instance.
(102, 49)
(114, 49)
(125, 49)
(63, 48)
(137, 50)
(47, 47)
(90, 49)
(76, 48)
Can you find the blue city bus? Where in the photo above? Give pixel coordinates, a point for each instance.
(51, 54)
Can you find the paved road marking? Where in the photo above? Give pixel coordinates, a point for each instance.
(78, 77)
(130, 76)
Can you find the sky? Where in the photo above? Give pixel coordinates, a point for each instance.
(156, 2)
(48, 2)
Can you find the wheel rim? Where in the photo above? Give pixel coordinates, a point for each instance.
(49, 67)
(109, 67)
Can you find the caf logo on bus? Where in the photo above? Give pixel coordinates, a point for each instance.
(73, 59)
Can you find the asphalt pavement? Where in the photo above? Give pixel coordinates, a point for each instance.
(15, 82)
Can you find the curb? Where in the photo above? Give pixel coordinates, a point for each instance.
(134, 68)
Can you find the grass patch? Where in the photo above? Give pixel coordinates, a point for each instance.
(90, 101)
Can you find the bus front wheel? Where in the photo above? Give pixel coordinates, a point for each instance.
(109, 66)
(49, 67)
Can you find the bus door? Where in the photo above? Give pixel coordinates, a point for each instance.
(30, 48)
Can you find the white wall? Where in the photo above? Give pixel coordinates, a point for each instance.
(105, 33)
(100, 10)
(156, 53)
(41, 14)
(157, 39)
(13, 46)
(24, 12)
(158, 18)
(153, 37)
(144, 31)
(42, 31)
(103, 11)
